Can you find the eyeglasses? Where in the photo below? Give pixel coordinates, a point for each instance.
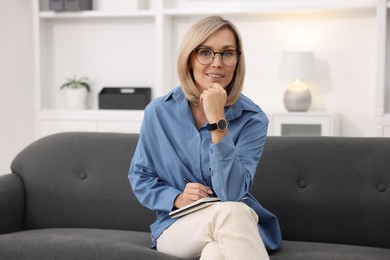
(206, 56)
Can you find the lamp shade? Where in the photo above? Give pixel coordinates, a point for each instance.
(297, 65)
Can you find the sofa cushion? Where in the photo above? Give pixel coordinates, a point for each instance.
(327, 189)
(79, 180)
(295, 250)
(78, 244)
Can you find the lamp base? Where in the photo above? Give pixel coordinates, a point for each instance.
(297, 97)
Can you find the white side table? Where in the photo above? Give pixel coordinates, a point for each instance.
(303, 124)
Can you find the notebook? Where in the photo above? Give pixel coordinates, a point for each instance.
(197, 205)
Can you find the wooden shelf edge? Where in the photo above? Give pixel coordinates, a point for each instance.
(95, 14)
(285, 7)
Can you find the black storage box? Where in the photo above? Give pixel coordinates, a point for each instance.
(56, 5)
(124, 98)
(70, 5)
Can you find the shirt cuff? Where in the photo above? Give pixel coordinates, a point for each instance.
(224, 148)
(171, 196)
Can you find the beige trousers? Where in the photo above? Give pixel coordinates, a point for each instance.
(224, 230)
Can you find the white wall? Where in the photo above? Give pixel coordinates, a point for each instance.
(344, 45)
(16, 89)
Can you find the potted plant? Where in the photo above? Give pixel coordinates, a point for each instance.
(77, 90)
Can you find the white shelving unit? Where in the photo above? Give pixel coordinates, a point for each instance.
(136, 48)
(303, 124)
(383, 87)
(386, 84)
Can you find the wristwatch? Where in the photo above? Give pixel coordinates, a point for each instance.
(221, 125)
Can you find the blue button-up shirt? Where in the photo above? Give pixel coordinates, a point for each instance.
(172, 148)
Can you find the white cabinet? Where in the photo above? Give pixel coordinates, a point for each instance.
(303, 124)
(56, 121)
(138, 47)
(281, 124)
(48, 127)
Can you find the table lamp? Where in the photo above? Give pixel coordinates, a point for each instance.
(297, 67)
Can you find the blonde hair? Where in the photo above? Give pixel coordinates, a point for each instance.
(197, 34)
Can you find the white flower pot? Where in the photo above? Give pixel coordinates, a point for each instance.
(77, 98)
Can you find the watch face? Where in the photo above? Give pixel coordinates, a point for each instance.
(222, 125)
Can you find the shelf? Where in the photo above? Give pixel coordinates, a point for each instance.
(94, 14)
(92, 114)
(69, 42)
(274, 8)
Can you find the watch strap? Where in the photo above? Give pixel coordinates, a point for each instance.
(221, 125)
(212, 127)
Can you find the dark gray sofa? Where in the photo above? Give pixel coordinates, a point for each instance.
(68, 197)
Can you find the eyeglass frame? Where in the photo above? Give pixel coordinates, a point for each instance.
(196, 50)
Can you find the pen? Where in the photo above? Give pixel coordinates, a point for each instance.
(187, 181)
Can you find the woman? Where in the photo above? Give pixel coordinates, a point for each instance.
(206, 132)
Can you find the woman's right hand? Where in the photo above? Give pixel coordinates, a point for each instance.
(192, 192)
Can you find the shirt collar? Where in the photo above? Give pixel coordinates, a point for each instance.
(174, 94)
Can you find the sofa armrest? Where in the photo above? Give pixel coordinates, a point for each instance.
(12, 200)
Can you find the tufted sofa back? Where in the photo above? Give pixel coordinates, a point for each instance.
(328, 189)
(80, 180)
(323, 189)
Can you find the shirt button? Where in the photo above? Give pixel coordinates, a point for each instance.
(197, 135)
